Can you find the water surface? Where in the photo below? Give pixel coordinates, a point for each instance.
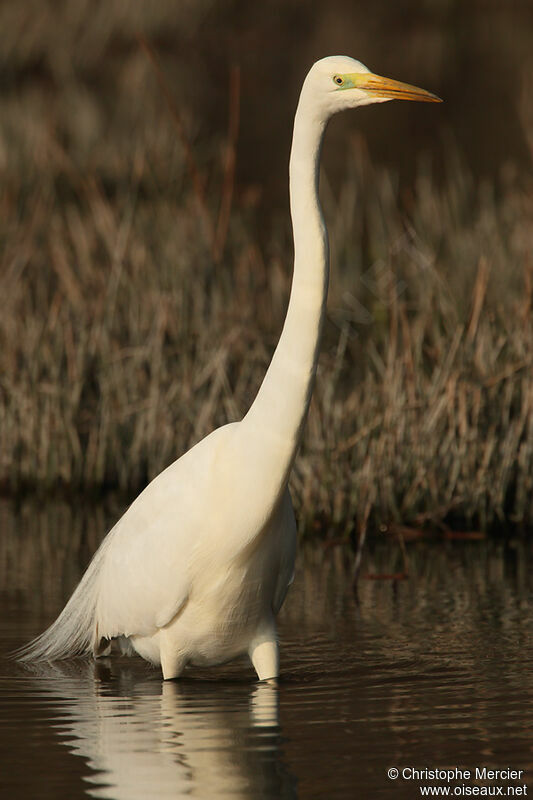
(430, 672)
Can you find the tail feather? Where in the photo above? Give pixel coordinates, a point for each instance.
(74, 633)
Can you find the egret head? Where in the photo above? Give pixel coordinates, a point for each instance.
(339, 82)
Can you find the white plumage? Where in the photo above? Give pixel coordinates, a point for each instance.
(199, 565)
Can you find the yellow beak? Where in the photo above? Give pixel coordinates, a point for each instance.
(386, 87)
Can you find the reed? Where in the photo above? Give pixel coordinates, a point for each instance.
(142, 301)
(124, 339)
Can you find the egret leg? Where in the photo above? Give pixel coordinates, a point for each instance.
(172, 661)
(264, 655)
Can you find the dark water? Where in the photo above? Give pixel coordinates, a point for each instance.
(431, 672)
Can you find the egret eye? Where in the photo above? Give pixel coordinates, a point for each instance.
(338, 80)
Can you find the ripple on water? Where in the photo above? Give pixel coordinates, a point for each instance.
(430, 672)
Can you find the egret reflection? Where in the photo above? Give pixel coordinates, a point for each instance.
(143, 737)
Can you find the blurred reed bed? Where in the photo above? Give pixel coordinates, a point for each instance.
(139, 313)
(143, 301)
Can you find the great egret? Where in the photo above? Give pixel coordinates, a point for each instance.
(197, 568)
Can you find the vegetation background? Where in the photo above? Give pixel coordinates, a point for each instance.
(146, 254)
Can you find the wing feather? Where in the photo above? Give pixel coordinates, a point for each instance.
(145, 578)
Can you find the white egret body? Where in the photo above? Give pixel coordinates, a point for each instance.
(199, 565)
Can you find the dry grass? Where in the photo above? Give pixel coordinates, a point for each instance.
(123, 340)
(141, 308)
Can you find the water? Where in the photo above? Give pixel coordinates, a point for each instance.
(430, 672)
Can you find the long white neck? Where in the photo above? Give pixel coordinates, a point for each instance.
(276, 418)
